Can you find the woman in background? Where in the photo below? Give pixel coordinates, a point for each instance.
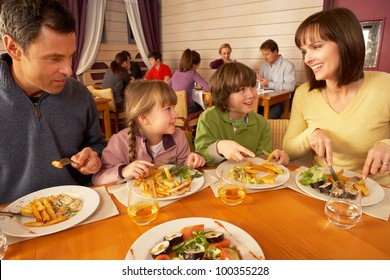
(224, 51)
(186, 76)
(117, 78)
(342, 113)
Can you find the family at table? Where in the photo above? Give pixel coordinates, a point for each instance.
(341, 114)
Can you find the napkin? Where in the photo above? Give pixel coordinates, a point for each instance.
(214, 186)
(380, 210)
(120, 191)
(106, 209)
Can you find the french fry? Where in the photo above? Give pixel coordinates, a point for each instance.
(49, 209)
(168, 174)
(36, 213)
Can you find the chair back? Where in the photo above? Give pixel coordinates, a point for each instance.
(278, 130)
(95, 75)
(104, 93)
(181, 108)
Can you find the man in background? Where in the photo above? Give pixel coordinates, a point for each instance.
(276, 73)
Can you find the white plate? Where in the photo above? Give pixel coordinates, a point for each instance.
(376, 192)
(280, 179)
(14, 226)
(196, 184)
(248, 247)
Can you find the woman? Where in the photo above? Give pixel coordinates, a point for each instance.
(224, 51)
(341, 113)
(117, 78)
(186, 76)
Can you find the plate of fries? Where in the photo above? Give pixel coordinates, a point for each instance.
(255, 173)
(167, 186)
(38, 207)
(374, 192)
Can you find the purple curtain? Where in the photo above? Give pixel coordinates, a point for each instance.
(149, 12)
(79, 10)
(328, 4)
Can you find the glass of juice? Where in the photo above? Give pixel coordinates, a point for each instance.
(231, 192)
(142, 207)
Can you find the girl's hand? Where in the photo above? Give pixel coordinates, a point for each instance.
(321, 145)
(280, 157)
(377, 161)
(233, 151)
(195, 160)
(137, 169)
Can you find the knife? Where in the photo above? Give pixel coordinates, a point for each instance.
(10, 213)
(334, 175)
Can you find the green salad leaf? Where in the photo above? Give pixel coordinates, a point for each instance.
(312, 175)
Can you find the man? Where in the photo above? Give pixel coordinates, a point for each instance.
(158, 70)
(45, 114)
(277, 73)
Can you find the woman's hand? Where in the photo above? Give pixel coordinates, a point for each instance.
(137, 169)
(280, 157)
(231, 150)
(321, 145)
(195, 160)
(377, 161)
(87, 161)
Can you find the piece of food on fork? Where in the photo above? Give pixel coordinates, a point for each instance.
(61, 163)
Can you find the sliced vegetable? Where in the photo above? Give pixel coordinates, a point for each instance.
(188, 232)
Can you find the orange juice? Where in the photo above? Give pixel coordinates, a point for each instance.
(143, 213)
(231, 194)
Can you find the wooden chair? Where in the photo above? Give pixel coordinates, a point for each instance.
(207, 99)
(116, 116)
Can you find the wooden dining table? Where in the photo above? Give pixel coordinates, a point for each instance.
(268, 99)
(285, 223)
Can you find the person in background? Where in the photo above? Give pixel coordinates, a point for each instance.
(151, 135)
(276, 73)
(158, 70)
(224, 51)
(45, 114)
(185, 77)
(117, 78)
(230, 129)
(342, 113)
(134, 70)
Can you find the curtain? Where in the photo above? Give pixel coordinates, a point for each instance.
(136, 26)
(149, 11)
(79, 9)
(92, 35)
(328, 4)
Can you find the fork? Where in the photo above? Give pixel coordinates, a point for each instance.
(352, 181)
(62, 162)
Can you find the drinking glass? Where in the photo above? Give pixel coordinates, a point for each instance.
(142, 210)
(231, 192)
(343, 207)
(259, 87)
(3, 244)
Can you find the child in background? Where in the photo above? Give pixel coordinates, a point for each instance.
(230, 129)
(151, 135)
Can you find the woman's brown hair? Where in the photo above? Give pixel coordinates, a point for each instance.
(229, 78)
(341, 26)
(141, 97)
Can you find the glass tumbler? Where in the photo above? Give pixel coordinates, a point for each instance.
(142, 209)
(231, 192)
(343, 207)
(3, 244)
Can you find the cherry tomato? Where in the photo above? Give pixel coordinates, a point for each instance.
(163, 257)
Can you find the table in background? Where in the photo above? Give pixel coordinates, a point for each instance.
(268, 99)
(285, 223)
(102, 105)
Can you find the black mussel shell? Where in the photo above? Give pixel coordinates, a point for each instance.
(317, 184)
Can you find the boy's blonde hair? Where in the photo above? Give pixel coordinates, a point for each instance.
(140, 98)
(229, 78)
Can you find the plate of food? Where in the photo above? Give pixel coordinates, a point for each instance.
(254, 173)
(316, 182)
(195, 238)
(49, 210)
(170, 182)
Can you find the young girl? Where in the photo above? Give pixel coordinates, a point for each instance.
(151, 136)
(230, 129)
